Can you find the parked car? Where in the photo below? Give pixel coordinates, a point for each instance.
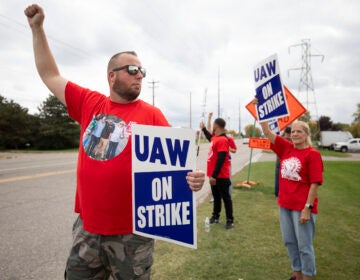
(351, 145)
(245, 141)
(329, 138)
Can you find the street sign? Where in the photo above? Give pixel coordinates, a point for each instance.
(259, 143)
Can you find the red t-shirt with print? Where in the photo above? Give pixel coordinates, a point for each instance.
(104, 183)
(218, 144)
(298, 170)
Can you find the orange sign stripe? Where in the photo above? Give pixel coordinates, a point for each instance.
(296, 110)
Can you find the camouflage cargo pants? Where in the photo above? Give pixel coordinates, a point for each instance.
(95, 256)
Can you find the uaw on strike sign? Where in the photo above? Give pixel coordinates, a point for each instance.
(164, 207)
(269, 90)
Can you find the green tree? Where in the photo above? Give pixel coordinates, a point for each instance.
(325, 123)
(356, 115)
(233, 133)
(305, 117)
(252, 131)
(18, 129)
(355, 126)
(57, 129)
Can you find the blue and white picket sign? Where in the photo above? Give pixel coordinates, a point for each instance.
(274, 126)
(164, 207)
(269, 90)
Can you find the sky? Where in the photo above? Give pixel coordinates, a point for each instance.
(199, 54)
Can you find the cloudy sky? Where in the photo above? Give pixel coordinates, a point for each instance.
(192, 49)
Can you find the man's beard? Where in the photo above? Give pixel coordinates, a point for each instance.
(126, 93)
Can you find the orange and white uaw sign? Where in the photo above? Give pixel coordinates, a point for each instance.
(296, 110)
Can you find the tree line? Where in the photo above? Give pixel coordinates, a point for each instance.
(323, 124)
(53, 129)
(50, 129)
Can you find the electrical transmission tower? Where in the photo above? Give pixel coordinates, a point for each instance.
(306, 81)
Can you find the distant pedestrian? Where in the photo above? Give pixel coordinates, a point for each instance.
(218, 171)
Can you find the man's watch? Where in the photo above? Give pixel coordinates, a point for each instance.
(309, 206)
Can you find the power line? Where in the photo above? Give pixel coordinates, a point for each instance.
(24, 31)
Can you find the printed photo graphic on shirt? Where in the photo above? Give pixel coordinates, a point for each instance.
(290, 169)
(105, 137)
(164, 207)
(269, 89)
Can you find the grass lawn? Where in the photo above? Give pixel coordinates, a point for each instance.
(253, 249)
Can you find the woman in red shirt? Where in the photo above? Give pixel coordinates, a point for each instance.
(301, 170)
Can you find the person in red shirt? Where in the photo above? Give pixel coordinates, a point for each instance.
(103, 239)
(232, 146)
(301, 174)
(218, 171)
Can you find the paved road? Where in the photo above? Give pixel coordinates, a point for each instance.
(36, 202)
(36, 210)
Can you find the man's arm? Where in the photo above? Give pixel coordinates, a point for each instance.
(208, 124)
(44, 60)
(219, 163)
(207, 134)
(205, 131)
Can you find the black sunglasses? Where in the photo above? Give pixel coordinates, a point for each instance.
(132, 70)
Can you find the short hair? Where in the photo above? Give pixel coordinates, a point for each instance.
(287, 129)
(220, 122)
(111, 63)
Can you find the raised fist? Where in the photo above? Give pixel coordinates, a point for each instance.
(35, 15)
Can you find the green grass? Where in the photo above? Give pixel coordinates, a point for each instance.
(253, 249)
(333, 153)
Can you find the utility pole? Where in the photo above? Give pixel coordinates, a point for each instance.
(219, 92)
(153, 86)
(306, 80)
(239, 120)
(203, 115)
(190, 112)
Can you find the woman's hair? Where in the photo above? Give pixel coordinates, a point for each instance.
(306, 129)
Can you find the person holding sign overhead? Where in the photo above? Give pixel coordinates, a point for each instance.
(103, 241)
(286, 135)
(218, 171)
(301, 174)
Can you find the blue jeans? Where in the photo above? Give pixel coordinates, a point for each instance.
(298, 239)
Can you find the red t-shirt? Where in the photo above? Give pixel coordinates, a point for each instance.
(232, 144)
(218, 144)
(104, 184)
(298, 170)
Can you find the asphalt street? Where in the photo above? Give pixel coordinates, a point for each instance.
(36, 210)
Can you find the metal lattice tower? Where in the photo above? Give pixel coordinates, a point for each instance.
(306, 82)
